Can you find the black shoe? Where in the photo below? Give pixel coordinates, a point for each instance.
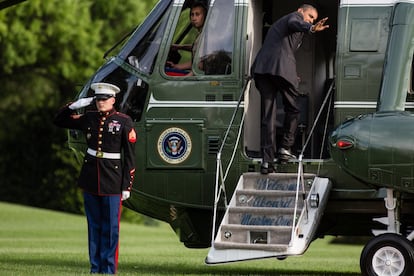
(285, 154)
(266, 168)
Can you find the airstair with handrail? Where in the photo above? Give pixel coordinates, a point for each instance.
(273, 215)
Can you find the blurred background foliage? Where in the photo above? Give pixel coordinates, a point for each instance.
(48, 49)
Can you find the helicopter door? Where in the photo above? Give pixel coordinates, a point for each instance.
(313, 60)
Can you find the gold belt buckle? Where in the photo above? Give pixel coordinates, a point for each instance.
(99, 154)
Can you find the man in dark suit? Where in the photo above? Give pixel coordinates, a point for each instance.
(274, 70)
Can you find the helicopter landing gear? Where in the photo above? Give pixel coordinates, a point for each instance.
(388, 254)
(393, 215)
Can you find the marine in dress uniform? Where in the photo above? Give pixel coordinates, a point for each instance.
(274, 70)
(107, 173)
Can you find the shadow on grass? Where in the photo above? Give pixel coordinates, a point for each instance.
(179, 269)
(67, 267)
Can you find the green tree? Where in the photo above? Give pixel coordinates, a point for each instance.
(47, 50)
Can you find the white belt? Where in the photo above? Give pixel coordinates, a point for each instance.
(101, 154)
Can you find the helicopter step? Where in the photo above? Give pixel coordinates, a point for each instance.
(274, 215)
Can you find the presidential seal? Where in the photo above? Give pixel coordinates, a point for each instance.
(174, 145)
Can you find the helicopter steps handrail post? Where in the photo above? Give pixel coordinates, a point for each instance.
(217, 193)
(220, 178)
(300, 178)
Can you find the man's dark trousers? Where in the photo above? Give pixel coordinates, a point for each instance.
(268, 86)
(103, 214)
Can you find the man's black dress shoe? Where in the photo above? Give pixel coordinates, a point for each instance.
(285, 154)
(266, 168)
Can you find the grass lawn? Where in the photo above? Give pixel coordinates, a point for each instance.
(43, 242)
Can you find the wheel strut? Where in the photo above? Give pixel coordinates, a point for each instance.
(392, 218)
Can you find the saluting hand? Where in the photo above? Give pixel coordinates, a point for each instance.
(81, 103)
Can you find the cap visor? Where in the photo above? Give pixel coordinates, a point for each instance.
(102, 96)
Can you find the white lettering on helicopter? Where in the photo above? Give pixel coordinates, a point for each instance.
(275, 184)
(249, 219)
(261, 201)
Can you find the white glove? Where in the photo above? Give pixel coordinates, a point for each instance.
(125, 195)
(81, 103)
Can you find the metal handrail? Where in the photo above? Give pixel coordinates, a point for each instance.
(300, 178)
(220, 178)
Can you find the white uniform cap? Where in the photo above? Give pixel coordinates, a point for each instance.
(104, 90)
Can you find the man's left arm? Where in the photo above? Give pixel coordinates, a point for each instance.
(129, 139)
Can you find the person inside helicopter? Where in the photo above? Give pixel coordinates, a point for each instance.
(198, 13)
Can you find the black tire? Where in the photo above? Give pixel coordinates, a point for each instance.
(387, 254)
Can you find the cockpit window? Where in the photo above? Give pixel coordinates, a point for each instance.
(410, 93)
(202, 46)
(214, 56)
(140, 51)
(144, 54)
(411, 88)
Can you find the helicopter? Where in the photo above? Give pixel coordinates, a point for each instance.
(8, 3)
(198, 152)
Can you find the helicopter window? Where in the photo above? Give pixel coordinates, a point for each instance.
(411, 88)
(131, 99)
(365, 35)
(145, 52)
(214, 56)
(186, 37)
(183, 39)
(410, 93)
